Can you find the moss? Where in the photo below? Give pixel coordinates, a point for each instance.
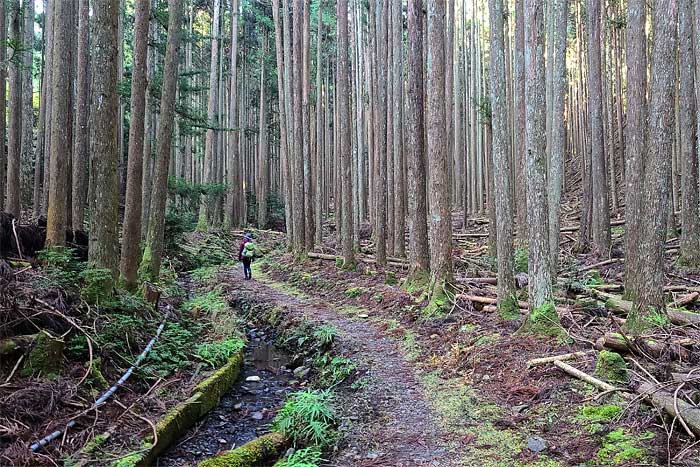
(96, 379)
(354, 292)
(439, 302)
(45, 357)
(390, 278)
(260, 451)
(611, 366)
(522, 255)
(95, 443)
(217, 384)
(623, 447)
(410, 346)
(599, 413)
(508, 308)
(487, 339)
(416, 283)
(544, 321)
(639, 321)
(542, 461)
(338, 262)
(131, 460)
(377, 297)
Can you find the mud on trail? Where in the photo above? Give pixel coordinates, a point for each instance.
(389, 422)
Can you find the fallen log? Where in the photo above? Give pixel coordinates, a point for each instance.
(486, 300)
(619, 343)
(557, 358)
(364, 259)
(675, 406)
(675, 316)
(601, 264)
(13, 344)
(260, 451)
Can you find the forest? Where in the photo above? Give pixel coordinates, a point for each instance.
(298, 233)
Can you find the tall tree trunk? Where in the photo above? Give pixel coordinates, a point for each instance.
(282, 75)
(418, 252)
(343, 81)
(14, 136)
(650, 297)
(131, 235)
(557, 128)
(306, 129)
(381, 121)
(438, 178)
(299, 236)
(60, 141)
(690, 210)
(263, 181)
(501, 165)
(519, 101)
(154, 243)
(635, 150)
(206, 204)
(236, 194)
(3, 100)
(539, 271)
(399, 182)
(104, 219)
(80, 131)
(27, 84)
(600, 228)
(318, 194)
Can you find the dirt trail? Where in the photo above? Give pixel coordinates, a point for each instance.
(401, 430)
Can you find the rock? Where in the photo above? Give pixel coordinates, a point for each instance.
(253, 379)
(363, 315)
(257, 416)
(238, 406)
(46, 356)
(222, 441)
(536, 444)
(301, 372)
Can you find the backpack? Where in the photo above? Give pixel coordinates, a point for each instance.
(249, 250)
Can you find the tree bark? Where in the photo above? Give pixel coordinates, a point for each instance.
(57, 205)
(104, 218)
(262, 147)
(398, 154)
(299, 236)
(3, 100)
(557, 128)
(207, 201)
(418, 251)
(234, 207)
(439, 188)
(690, 210)
(14, 127)
(519, 101)
(154, 242)
(381, 15)
(600, 228)
(80, 131)
(539, 271)
(501, 165)
(635, 149)
(27, 84)
(131, 234)
(656, 190)
(345, 133)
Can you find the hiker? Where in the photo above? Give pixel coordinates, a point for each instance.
(246, 254)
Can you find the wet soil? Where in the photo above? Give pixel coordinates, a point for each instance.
(245, 412)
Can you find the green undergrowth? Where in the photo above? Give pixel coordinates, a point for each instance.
(464, 413)
(210, 303)
(215, 354)
(612, 367)
(307, 457)
(623, 447)
(508, 308)
(308, 418)
(595, 417)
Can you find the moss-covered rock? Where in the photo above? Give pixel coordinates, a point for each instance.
(544, 321)
(260, 451)
(508, 308)
(390, 278)
(217, 384)
(45, 357)
(622, 447)
(611, 366)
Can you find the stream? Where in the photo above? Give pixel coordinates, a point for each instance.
(245, 412)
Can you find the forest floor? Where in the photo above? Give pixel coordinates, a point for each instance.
(453, 389)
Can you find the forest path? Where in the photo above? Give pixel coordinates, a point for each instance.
(401, 430)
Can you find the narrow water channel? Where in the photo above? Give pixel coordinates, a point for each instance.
(245, 412)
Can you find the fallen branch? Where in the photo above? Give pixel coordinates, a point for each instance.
(394, 262)
(674, 406)
(12, 344)
(557, 358)
(684, 300)
(602, 263)
(602, 385)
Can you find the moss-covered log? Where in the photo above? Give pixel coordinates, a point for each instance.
(674, 406)
(260, 451)
(13, 344)
(617, 342)
(617, 304)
